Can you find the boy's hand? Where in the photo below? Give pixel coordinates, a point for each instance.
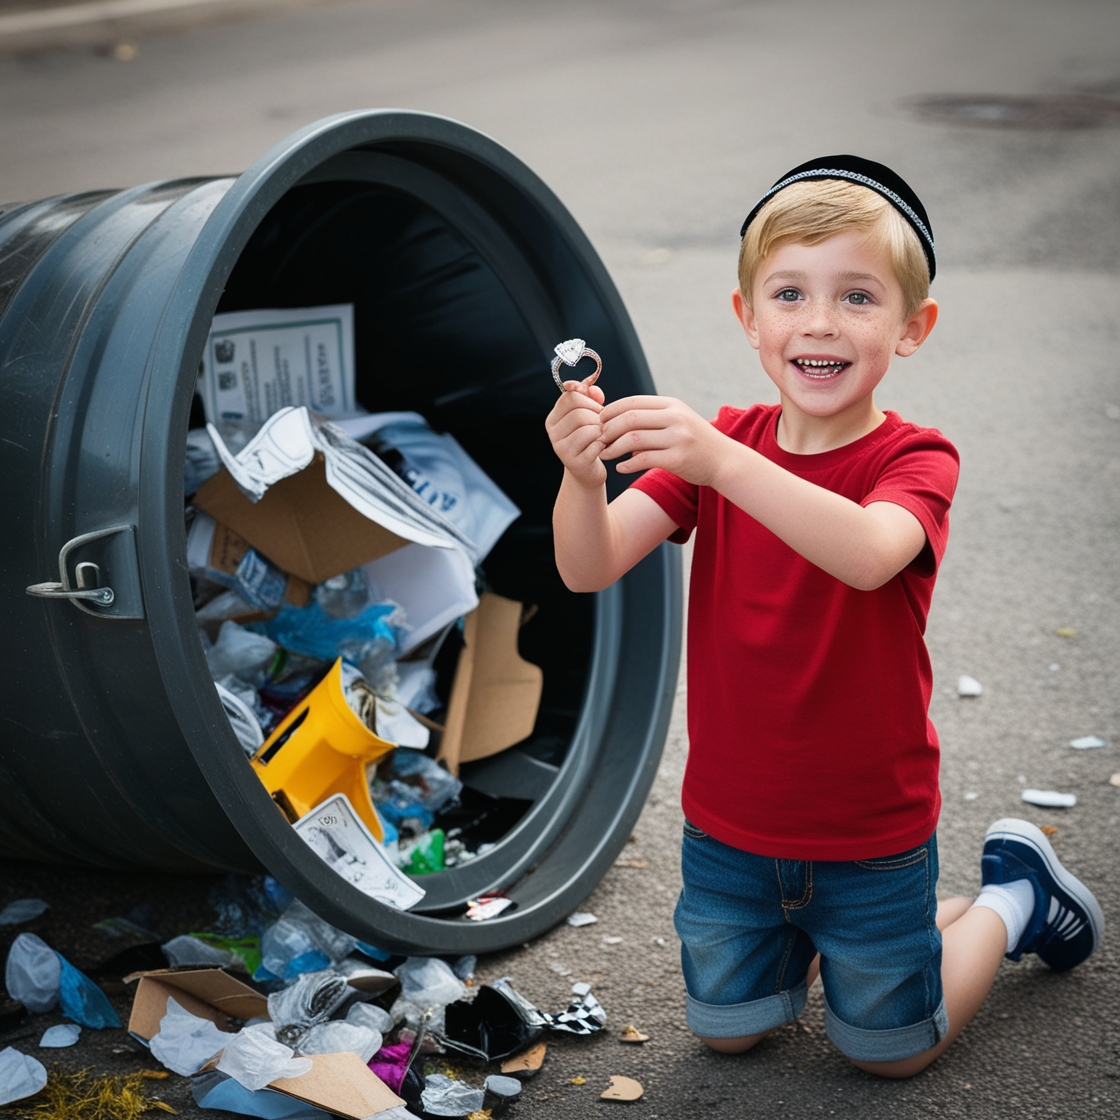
(661, 432)
(573, 427)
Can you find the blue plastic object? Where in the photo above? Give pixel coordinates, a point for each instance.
(82, 1000)
(314, 633)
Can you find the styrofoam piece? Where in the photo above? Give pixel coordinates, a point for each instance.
(1049, 798)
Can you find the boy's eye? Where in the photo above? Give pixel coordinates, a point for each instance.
(858, 298)
(789, 295)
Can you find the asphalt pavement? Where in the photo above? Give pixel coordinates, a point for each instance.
(659, 123)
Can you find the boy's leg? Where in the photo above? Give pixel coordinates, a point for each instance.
(744, 964)
(1029, 904)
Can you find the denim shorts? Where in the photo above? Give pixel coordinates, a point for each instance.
(751, 925)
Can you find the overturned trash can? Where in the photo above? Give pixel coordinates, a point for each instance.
(463, 271)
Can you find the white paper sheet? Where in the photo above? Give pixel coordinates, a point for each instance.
(257, 362)
(340, 838)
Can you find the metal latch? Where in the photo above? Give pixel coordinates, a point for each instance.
(91, 578)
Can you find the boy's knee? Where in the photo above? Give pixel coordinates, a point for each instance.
(733, 1045)
(903, 1068)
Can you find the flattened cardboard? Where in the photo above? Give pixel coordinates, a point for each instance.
(342, 1084)
(302, 524)
(208, 993)
(495, 694)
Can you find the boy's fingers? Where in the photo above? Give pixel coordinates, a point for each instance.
(626, 404)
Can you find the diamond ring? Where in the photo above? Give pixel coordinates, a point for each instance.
(570, 353)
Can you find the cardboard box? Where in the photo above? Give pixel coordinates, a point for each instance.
(302, 524)
(208, 993)
(342, 1084)
(496, 693)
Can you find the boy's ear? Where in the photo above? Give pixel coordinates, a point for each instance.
(745, 314)
(917, 328)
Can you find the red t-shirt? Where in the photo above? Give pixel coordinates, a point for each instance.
(807, 699)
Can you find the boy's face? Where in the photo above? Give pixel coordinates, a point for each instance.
(826, 321)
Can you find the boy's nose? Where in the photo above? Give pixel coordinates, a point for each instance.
(820, 321)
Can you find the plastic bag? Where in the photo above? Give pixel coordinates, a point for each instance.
(312, 999)
(314, 633)
(337, 1036)
(371, 1016)
(444, 476)
(423, 855)
(244, 653)
(188, 950)
(241, 718)
(416, 787)
(22, 910)
(20, 1075)
(202, 460)
(300, 941)
(82, 1000)
(57, 1038)
(345, 595)
(444, 1097)
(253, 1059)
(184, 1042)
(32, 973)
(427, 986)
(215, 1090)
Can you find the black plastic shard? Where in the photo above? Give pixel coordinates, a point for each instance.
(498, 1023)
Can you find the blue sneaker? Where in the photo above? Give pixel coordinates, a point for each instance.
(1067, 923)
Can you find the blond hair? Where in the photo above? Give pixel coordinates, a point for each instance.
(809, 212)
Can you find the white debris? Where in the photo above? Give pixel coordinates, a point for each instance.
(1087, 742)
(612, 940)
(969, 686)
(582, 918)
(57, 1038)
(20, 1075)
(971, 796)
(1049, 798)
(22, 910)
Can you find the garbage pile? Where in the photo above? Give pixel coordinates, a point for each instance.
(316, 1024)
(334, 560)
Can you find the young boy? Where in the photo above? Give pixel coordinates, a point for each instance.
(811, 791)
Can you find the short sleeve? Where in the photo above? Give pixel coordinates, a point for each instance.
(679, 499)
(922, 477)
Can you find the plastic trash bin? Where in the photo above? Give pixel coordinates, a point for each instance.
(464, 270)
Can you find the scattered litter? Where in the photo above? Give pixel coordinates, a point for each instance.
(1054, 667)
(444, 1097)
(583, 1016)
(80, 1094)
(1087, 742)
(498, 1022)
(632, 1034)
(559, 969)
(253, 1059)
(527, 1063)
(581, 918)
(1049, 829)
(612, 940)
(300, 941)
(638, 864)
(82, 1000)
(187, 950)
(622, 1089)
(61, 1036)
(312, 999)
(32, 973)
(20, 1075)
(1049, 798)
(969, 686)
(214, 1090)
(578, 1080)
(370, 1016)
(971, 796)
(487, 906)
(464, 968)
(659, 941)
(185, 1042)
(22, 910)
(1065, 632)
(507, 1088)
(1114, 780)
(334, 1037)
(391, 1063)
(427, 986)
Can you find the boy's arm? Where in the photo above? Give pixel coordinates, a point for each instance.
(596, 543)
(862, 546)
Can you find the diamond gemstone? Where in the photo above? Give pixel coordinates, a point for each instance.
(571, 351)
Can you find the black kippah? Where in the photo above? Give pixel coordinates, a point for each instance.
(866, 173)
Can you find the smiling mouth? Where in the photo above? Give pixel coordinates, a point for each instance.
(820, 369)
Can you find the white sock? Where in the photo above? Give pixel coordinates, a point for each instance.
(1013, 902)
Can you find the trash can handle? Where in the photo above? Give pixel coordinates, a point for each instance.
(87, 574)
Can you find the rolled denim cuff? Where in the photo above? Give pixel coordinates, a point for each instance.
(886, 1045)
(734, 1020)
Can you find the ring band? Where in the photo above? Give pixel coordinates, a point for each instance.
(569, 353)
